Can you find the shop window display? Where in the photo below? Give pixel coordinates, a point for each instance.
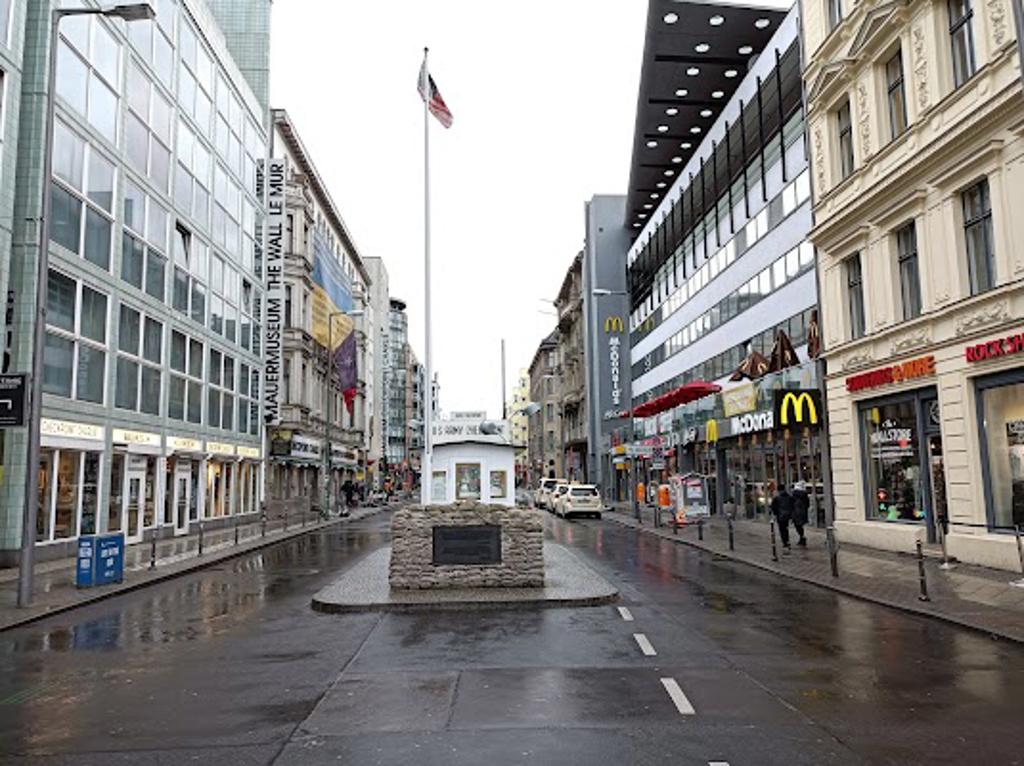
(893, 468)
(1003, 413)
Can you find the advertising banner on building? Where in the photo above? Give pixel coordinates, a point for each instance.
(274, 320)
(739, 399)
(332, 297)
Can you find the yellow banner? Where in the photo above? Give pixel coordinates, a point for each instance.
(321, 310)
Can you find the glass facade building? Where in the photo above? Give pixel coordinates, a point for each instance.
(153, 360)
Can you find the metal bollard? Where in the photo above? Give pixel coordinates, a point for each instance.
(263, 525)
(200, 538)
(302, 523)
(236, 530)
(775, 550)
(920, 573)
(1018, 531)
(732, 537)
(700, 528)
(285, 519)
(152, 551)
(833, 550)
(941, 529)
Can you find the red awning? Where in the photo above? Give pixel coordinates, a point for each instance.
(688, 392)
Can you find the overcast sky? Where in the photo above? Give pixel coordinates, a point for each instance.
(543, 93)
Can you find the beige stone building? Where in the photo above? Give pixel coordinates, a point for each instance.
(569, 305)
(916, 134)
(545, 425)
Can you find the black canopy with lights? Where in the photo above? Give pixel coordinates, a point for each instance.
(695, 56)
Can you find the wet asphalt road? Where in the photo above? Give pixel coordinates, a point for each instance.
(229, 665)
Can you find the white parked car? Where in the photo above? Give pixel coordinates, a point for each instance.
(542, 497)
(555, 498)
(580, 499)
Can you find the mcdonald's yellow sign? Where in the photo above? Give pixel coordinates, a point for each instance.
(800, 407)
(712, 430)
(613, 324)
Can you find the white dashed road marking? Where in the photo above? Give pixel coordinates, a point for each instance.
(644, 644)
(718, 763)
(682, 704)
(626, 614)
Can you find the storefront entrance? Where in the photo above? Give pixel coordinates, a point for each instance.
(133, 489)
(181, 493)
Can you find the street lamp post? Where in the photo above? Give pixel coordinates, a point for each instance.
(328, 491)
(126, 12)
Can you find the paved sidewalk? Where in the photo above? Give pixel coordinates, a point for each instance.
(55, 590)
(970, 596)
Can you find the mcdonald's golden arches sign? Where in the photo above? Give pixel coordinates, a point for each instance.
(613, 324)
(797, 407)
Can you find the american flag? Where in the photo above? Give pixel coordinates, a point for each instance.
(432, 96)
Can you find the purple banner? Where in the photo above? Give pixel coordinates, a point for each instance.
(345, 363)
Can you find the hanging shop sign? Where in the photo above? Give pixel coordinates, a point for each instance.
(801, 407)
(993, 349)
(711, 431)
(923, 367)
(273, 348)
(742, 398)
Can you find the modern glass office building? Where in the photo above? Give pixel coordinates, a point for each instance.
(152, 419)
(719, 200)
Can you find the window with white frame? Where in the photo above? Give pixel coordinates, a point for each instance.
(69, 483)
(185, 394)
(144, 242)
(195, 79)
(88, 72)
(223, 298)
(75, 356)
(248, 400)
(140, 345)
(227, 229)
(148, 128)
(82, 198)
(153, 41)
(220, 405)
(910, 278)
(192, 175)
(191, 256)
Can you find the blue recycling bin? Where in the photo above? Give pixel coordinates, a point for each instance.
(100, 560)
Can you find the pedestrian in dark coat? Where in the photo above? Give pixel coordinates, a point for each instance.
(782, 508)
(801, 511)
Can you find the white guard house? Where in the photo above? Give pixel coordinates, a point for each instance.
(472, 461)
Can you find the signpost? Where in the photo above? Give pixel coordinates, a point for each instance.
(12, 401)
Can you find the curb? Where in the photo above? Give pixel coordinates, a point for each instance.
(835, 587)
(188, 567)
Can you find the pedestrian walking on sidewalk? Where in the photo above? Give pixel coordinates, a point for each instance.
(801, 511)
(782, 508)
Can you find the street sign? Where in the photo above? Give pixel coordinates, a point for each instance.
(12, 400)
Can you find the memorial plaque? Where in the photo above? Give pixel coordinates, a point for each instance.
(477, 544)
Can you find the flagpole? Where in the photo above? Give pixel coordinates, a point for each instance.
(426, 472)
